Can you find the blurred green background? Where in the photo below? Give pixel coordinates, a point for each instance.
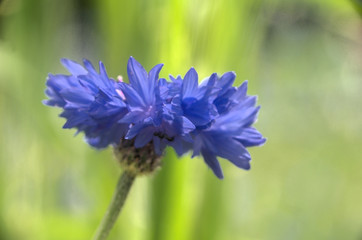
(302, 58)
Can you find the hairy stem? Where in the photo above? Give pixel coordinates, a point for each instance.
(119, 197)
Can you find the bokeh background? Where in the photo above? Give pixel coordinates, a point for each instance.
(302, 58)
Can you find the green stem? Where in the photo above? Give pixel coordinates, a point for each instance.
(119, 197)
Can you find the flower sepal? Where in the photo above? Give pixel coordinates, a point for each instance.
(138, 161)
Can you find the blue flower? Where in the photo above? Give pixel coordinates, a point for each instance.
(90, 101)
(212, 119)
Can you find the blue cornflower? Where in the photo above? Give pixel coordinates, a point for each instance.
(212, 118)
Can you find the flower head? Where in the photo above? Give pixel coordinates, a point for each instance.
(212, 119)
